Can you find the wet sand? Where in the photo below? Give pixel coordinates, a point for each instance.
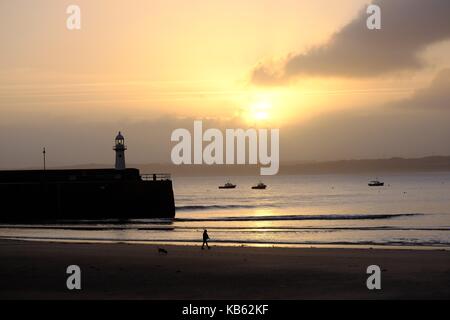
(37, 270)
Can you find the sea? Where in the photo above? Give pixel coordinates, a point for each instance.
(410, 211)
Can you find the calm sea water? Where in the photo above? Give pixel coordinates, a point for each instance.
(411, 210)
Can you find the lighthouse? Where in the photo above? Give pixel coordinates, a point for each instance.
(120, 152)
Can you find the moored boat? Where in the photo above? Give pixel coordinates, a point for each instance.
(260, 186)
(228, 185)
(376, 183)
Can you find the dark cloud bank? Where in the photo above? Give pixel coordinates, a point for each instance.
(413, 127)
(408, 27)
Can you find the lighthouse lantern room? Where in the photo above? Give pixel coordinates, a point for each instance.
(120, 152)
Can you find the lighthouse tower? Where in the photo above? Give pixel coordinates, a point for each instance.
(120, 152)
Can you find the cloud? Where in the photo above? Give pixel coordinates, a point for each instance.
(408, 27)
(436, 96)
(413, 127)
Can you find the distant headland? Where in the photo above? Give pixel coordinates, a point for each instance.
(353, 166)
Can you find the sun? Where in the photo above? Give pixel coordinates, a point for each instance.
(259, 111)
(261, 115)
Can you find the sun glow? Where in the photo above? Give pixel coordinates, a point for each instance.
(259, 111)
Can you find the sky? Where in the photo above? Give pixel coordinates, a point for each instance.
(335, 89)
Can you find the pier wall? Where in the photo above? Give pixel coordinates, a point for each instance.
(82, 200)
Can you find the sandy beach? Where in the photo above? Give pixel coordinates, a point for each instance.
(37, 270)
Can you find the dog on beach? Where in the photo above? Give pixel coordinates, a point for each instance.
(162, 251)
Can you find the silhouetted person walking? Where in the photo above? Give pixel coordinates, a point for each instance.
(205, 239)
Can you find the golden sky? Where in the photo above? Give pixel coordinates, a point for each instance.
(139, 60)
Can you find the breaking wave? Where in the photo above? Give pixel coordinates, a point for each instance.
(218, 206)
(304, 217)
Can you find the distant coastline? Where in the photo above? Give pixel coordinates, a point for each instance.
(356, 166)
